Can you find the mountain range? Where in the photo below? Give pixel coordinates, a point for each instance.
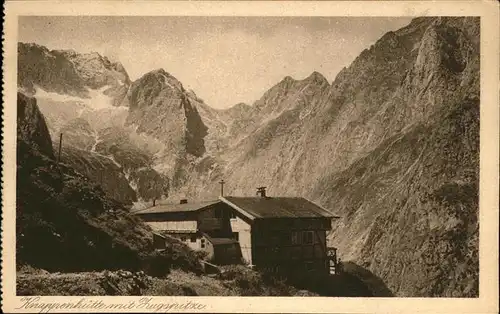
(391, 145)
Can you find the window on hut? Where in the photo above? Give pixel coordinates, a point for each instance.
(284, 238)
(307, 237)
(295, 237)
(236, 236)
(308, 266)
(193, 238)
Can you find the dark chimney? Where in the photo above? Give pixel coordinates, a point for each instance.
(261, 191)
(154, 202)
(222, 187)
(183, 201)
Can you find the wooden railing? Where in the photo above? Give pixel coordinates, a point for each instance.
(335, 267)
(331, 252)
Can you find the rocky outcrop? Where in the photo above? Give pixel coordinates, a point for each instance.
(103, 171)
(160, 107)
(410, 208)
(31, 126)
(136, 163)
(163, 110)
(50, 70)
(98, 72)
(69, 73)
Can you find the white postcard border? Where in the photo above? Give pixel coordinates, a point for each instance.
(489, 155)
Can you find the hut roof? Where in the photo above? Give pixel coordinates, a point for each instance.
(277, 207)
(175, 207)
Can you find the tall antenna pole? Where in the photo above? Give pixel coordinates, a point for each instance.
(222, 187)
(60, 145)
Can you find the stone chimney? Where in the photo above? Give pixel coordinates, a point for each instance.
(261, 191)
(183, 201)
(222, 187)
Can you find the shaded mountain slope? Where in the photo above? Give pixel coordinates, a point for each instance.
(410, 208)
(31, 126)
(103, 171)
(64, 222)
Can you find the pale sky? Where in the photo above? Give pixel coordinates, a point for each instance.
(225, 60)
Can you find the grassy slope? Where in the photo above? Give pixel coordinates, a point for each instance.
(236, 281)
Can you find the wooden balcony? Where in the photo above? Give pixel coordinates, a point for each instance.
(333, 261)
(331, 252)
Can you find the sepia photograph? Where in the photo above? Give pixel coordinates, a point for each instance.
(265, 156)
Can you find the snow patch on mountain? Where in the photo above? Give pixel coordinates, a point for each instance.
(97, 100)
(42, 94)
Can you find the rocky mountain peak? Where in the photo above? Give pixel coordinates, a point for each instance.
(286, 82)
(237, 112)
(240, 106)
(162, 108)
(98, 71)
(36, 46)
(317, 78)
(67, 72)
(165, 78)
(38, 67)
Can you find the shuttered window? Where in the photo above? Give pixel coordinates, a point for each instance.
(232, 214)
(295, 237)
(307, 237)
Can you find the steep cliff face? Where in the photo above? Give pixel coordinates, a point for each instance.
(410, 208)
(31, 126)
(402, 80)
(162, 109)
